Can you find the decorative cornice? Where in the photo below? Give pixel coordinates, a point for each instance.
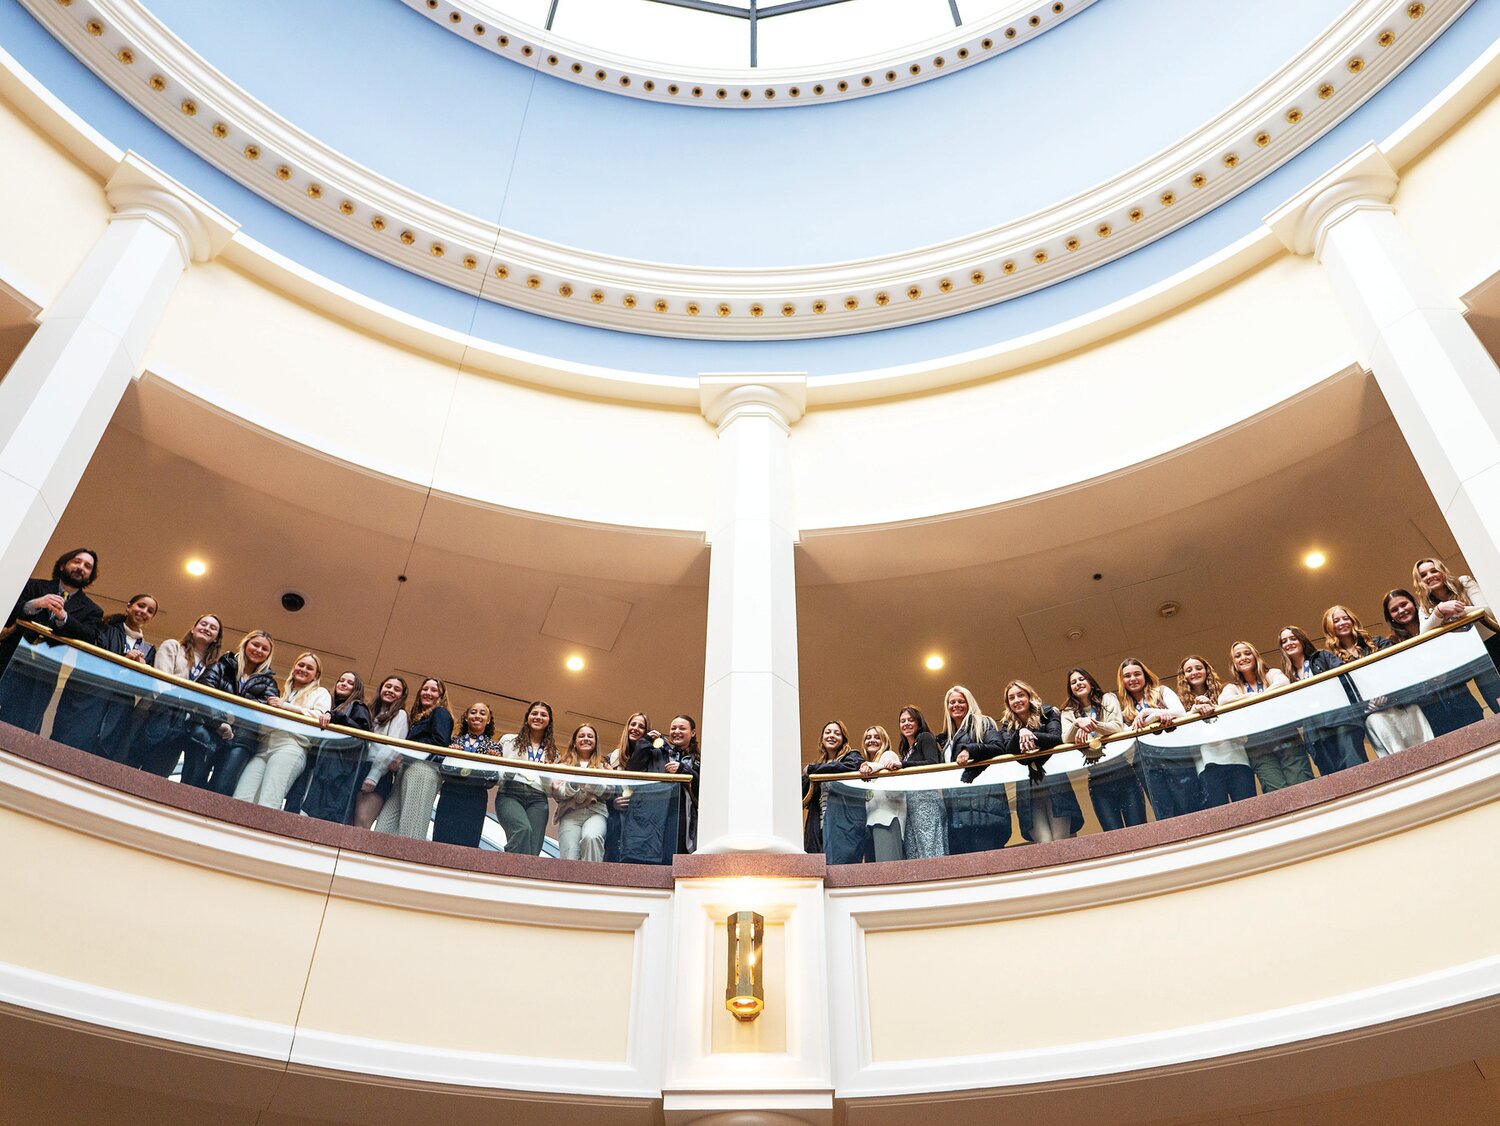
(482, 23)
(1365, 180)
(724, 399)
(200, 107)
(138, 189)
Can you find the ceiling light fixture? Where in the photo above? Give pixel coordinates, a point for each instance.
(934, 662)
(574, 664)
(1314, 559)
(196, 567)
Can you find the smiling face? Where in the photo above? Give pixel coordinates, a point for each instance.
(477, 718)
(833, 737)
(908, 724)
(1018, 700)
(141, 611)
(1243, 657)
(1430, 575)
(78, 570)
(1078, 686)
(344, 686)
(872, 741)
(392, 690)
(1402, 610)
(1133, 677)
(957, 706)
(258, 651)
(680, 731)
(1291, 645)
(430, 693)
(538, 718)
(305, 671)
(206, 630)
(636, 728)
(585, 739)
(1342, 623)
(1195, 672)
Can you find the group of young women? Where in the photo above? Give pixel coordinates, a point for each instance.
(854, 824)
(374, 784)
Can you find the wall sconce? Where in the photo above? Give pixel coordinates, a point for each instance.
(745, 995)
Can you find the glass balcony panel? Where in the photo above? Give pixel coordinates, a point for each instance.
(1378, 706)
(131, 714)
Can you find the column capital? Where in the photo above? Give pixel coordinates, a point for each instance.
(780, 396)
(138, 189)
(1364, 181)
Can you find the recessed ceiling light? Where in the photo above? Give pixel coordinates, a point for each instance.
(1314, 559)
(574, 664)
(196, 567)
(934, 662)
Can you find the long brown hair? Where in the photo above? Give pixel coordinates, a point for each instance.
(1308, 649)
(843, 746)
(418, 711)
(384, 712)
(1212, 685)
(549, 740)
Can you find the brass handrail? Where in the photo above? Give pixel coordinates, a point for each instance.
(1480, 616)
(493, 761)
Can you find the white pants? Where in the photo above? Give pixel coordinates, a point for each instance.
(270, 774)
(580, 834)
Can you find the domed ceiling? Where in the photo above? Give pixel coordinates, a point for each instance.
(1090, 150)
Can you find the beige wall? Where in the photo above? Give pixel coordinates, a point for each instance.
(473, 985)
(1381, 913)
(62, 203)
(125, 919)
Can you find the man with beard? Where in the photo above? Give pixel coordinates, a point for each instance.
(60, 604)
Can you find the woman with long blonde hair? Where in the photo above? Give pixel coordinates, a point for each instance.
(1046, 806)
(885, 811)
(1332, 748)
(245, 673)
(1278, 762)
(270, 774)
(1442, 597)
(581, 814)
(978, 816)
(1171, 780)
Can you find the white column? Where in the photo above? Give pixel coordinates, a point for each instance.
(1442, 387)
(62, 390)
(751, 733)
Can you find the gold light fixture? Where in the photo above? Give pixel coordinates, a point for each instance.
(745, 994)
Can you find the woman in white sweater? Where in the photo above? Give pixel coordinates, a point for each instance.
(1280, 761)
(269, 775)
(1443, 596)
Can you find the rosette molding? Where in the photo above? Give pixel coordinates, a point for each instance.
(484, 24)
(200, 107)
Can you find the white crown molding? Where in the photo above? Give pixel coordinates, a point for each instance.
(138, 189)
(1365, 180)
(1364, 49)
(482, 23)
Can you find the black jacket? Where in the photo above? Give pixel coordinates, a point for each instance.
(436, 727)
(1056, 787)
(923, 751)
(85, 619)
(224, 675)
(844, 829)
